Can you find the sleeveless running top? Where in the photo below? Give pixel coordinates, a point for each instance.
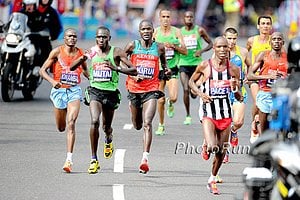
(102, 77)
(258, 47)
(238, 61)
(271, 66)
(61, 69)
(147, 64)
(217, 86)
(171, 55)
(193, 43)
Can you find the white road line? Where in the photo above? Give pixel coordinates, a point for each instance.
(119, 160)
(118, 192)
(128, 126)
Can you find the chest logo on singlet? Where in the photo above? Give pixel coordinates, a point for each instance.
(219, 88)
(190, 41)
(101, 73)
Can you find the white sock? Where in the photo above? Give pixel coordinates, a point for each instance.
(69, 156)
(211, 178)
(145, 155)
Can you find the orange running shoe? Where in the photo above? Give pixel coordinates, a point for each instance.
(226, 158)
(204, 153)
(212, 186)
(68, 166)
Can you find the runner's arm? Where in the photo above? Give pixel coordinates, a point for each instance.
(52, 58)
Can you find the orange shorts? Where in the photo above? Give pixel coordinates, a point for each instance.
(220, 124)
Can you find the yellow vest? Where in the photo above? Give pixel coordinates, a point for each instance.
(258, 47)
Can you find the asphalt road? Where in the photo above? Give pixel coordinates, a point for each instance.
(33, 153)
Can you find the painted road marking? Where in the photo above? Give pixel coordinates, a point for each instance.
(118, 192)
(128, 126)
(119, 160)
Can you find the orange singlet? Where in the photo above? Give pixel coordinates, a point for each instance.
(272, 66)
(61, 69)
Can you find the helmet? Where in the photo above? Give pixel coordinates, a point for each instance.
(47, 4)
(27, 2)
(294, 54)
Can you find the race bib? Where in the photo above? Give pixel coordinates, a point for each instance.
(190, 41)
(69, 78)
(169, 53)
(219, 88)
(145, 69)
(270, 82)
(101, 73)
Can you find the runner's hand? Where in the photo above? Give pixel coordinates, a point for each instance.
(56, 85)
(205, 98)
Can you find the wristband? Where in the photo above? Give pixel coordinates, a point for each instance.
(235, 90)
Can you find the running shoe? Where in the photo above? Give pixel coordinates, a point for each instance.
(234, 140)
(204, 153)
(94, 167)
(160, 130)
(170, 109)
(212, 186)
(68, 166)
(219, 179)
(226, 158)
(188, 120)
(108, 150)
(254, 133)
(144, 167)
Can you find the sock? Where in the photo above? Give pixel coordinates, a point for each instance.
(145, 155)
(108, 139)
(211, 178)
(94, 157)
(69, 156)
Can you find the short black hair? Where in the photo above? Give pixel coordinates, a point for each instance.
(264, 17)
(145, 21)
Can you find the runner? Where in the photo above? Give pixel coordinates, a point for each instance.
(143, 89)
(256, 44)
(103, 95)
(217, 78)
(272, 65)
(192, 36)
(65, 93)
(237, 57)
(172, 38)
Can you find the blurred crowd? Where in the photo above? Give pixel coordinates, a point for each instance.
(211, 14)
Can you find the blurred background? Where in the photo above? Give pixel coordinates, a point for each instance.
(123, 16)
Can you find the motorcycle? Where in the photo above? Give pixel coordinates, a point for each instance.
(18, 69)
(275, 172)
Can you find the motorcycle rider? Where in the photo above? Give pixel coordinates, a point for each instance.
(42, 18)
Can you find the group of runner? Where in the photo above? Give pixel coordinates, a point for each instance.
(155, 61)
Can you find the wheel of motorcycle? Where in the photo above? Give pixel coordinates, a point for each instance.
(33, 84)
(7, 86)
